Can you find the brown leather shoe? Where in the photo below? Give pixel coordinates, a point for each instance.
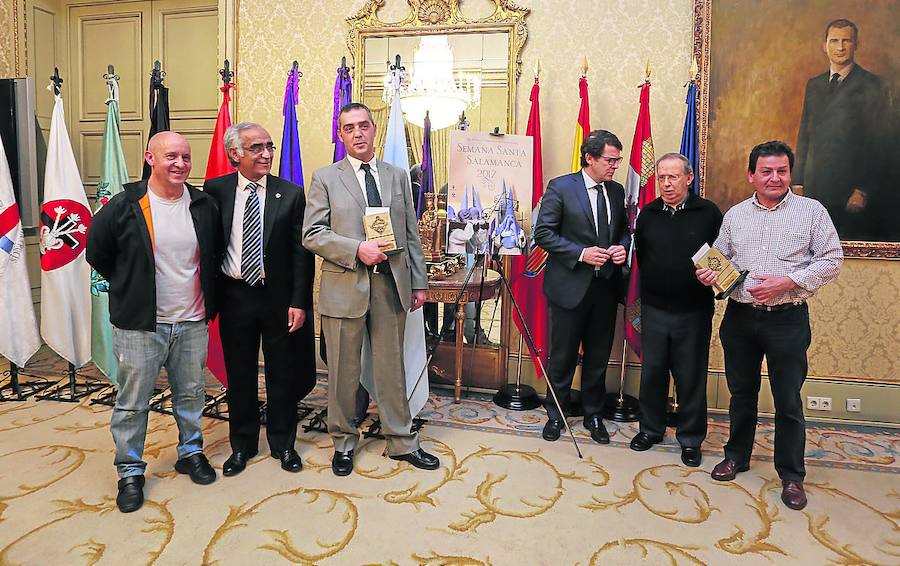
(727, 470)
(792, 494)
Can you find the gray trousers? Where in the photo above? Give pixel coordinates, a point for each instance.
(385, 322)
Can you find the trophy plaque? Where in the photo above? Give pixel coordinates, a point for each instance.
(727, 277)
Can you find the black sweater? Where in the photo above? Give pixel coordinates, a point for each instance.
(664, 245)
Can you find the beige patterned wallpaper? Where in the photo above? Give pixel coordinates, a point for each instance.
(856, 321)
(8, 46)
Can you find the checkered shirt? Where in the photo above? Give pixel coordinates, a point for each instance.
(796, 238)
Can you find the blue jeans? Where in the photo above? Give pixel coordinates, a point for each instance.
(181, 349)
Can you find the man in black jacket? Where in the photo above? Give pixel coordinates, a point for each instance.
(155, 244)
(265, 286)
(676, 309)
(582, 226)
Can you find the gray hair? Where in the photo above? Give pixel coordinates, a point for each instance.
(232, 138)
(688, 168)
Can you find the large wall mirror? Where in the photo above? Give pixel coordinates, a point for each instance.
(480, 53)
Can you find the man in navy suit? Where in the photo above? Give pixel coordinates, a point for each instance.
(582, 226)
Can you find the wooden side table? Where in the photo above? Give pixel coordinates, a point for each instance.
(447, 290)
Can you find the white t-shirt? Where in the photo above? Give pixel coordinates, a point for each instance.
(179, 297)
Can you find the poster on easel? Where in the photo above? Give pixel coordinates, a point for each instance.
(489, 193)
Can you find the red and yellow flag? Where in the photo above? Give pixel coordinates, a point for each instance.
(583, 127)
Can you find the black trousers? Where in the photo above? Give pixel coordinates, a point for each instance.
(592, 325)
(248, 314)
(782, 337)
(677, 342)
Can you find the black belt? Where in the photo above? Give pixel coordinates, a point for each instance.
(768, 308)
(259, 284)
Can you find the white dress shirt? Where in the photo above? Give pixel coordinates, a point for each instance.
(361, 176)
(232, 264)
(592, 192)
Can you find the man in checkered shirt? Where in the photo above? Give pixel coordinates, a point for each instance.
(791, 248)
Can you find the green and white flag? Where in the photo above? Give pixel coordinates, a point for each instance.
(113, 174)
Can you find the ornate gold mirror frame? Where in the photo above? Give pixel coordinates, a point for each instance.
(429, 17)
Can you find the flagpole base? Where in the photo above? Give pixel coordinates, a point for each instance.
(517, 397)
(71, 392)
(626, 409)
(16, 390)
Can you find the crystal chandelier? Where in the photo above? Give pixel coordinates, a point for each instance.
(433, 88)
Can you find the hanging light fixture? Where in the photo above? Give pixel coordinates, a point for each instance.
(433, 88)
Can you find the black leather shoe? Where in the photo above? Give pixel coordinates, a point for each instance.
(131, 494)
(420, 459)
(643, 441)
(342, 463)
(691, 456)
(290, 460)
(552, 429)
(598, 431)
(197, 466)
(236, 463)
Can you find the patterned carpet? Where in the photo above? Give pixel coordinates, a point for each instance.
(502, 496)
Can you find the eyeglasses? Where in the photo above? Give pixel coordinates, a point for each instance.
(258, 148)
(612, 160)
(673, 178)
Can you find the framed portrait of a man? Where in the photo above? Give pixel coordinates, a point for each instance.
(822, 76)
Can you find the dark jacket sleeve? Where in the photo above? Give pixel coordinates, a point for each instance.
(304, 261)
(101, 240)
(547, 230)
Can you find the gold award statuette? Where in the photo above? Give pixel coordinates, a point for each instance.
(727, 277)
(377, 222)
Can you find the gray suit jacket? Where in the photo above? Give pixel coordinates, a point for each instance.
(333, 229)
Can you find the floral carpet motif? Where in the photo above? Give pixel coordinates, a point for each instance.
(501, 496)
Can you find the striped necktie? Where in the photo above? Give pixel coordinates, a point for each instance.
(251, 246)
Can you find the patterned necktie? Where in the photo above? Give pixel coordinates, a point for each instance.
(251, 246)
(372, 194)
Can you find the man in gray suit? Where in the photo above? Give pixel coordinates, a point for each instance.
(362, 288)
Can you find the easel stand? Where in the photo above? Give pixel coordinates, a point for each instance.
(21, 391)
(530, 338)
(72, 390)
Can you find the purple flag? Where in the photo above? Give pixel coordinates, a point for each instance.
(427, 185)
(290, 167)
(343, 88)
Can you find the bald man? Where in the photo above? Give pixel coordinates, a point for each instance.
(155, 244)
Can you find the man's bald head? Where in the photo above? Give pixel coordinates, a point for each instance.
(169, 157)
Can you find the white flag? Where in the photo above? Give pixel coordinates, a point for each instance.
(395, 153)
(19, 338)
(65, 274)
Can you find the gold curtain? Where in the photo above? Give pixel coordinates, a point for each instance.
(440, 149)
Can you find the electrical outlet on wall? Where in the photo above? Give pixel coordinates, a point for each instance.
(818, 403)
(854, 405)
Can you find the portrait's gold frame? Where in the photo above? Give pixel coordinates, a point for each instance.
(702, 40)
(429, 17)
